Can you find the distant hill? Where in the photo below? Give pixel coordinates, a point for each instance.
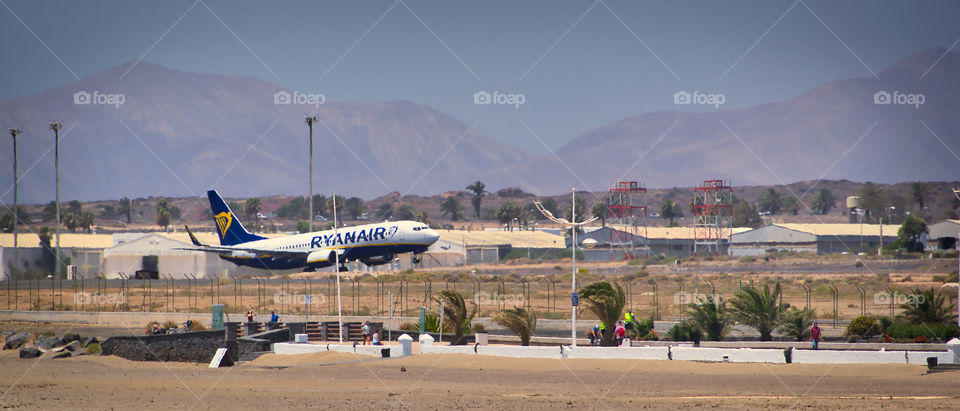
(811, 135)
(179, 134)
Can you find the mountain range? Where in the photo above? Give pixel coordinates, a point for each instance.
(180, 133)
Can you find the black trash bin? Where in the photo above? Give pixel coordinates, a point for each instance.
(385, 353)
(932, 362)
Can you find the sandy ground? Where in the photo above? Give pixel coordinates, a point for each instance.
(341, 381)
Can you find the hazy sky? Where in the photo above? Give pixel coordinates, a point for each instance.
(578, 64)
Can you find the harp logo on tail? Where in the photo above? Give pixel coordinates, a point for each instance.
(223, 222)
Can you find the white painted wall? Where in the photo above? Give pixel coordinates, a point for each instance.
(733, 355)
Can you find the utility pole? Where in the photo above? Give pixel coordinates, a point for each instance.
(956, 244)
(55, 126)
(310, 120)
(16, 188)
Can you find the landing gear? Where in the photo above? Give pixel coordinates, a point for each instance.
(416, 259)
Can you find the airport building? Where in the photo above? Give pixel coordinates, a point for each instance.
(943, 235)
(813, 238)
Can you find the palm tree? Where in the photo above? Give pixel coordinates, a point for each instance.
(163, 214)
(823, 200)
(759, 309)
(355, 207)
(710, 317)
(795, 323)
(670, 209)
(250, 210)
(919, 191)
(929, 306)
(450, 206)
(71, 221)
(790, 204)
(602, 211)
(384, 211)
(85, 220)
(770, 201)
(422, 217)
(455, 312)
(606, 301)
(479, 189)
(507, 212)
(523, 323)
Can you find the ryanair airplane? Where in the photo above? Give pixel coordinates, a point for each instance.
(371, 244)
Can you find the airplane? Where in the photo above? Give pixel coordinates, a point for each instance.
(371, 244)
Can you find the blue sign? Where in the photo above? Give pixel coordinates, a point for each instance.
(574, 299)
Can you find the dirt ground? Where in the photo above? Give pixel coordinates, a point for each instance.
(435, 381)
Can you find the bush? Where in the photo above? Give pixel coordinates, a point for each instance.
(408, 326)
(863, 327)
(641, 328)
(479, 327)
(904, 331)
(853, 338)
(652, 336)
(94, 348)
(859, 264)
(685, 332)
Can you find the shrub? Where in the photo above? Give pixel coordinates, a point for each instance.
(196, 326)
(853, 338)
(863, 327)
(859, 264)
(479, 327)
(408, 326)
(93, 348)
(685, 332)
(652, 336)
(641, 329)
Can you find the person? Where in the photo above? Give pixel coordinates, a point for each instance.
(815, 335)
(250, 316)
(620, 332)
(594, 335)
(366, 332)
(155, 328)
(274, 318)
(376, 338)
(629, 319)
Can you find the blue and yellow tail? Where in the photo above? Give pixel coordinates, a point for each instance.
(229, 227)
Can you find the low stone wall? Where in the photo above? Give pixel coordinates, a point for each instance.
(198, 346)
(371, 350)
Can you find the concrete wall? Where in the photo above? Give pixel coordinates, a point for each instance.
(733, 355)
(849, 357)
(197, 346)
(371, 350)
(633, 353)
(515, 351)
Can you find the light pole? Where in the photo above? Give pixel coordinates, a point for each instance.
(573, 225)
(956, 193)
(310, 120)
(16, 214)
(55, 126)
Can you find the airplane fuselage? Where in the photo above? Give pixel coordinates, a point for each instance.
(370, 243)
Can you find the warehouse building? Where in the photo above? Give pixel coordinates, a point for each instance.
(943, 235)
(813, 238)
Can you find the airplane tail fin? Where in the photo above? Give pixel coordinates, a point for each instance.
(229, 227)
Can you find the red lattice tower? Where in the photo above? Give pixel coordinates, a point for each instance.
(713, 216)
(628, 213)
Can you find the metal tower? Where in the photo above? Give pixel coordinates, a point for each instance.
(628, 213)
(713, 216)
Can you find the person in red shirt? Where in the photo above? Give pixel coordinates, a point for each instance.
(815, 335)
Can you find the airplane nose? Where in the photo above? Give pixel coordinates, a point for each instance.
(431, 235)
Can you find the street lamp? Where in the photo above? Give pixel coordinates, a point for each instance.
(573, 225)
(956, 193)
(56, 126)
(310, 120)
(16, 215)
